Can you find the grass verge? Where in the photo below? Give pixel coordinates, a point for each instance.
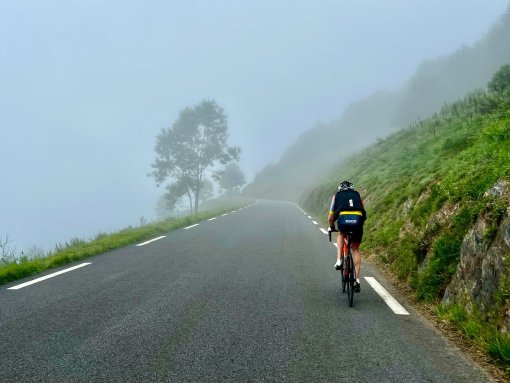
(78, 249)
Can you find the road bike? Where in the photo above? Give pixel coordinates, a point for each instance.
(348, 274)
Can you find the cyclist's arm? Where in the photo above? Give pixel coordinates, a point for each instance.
(331, 215)
(331, 221)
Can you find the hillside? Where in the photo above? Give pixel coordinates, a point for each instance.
(438, 201)
(435, 83)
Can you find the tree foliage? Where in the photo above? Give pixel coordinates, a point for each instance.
(231, 179)
(500, 82)
(196, 142)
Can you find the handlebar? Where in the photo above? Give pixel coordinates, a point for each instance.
(331, 231)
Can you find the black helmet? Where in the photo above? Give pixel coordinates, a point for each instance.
(345, 185)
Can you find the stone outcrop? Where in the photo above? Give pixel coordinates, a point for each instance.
(482, 261)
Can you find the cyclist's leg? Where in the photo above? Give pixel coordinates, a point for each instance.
(340, 246)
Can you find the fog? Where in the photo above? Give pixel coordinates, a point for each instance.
(87, 85)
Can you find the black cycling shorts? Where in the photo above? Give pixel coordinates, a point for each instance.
(351, 223)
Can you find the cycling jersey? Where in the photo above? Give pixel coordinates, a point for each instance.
(347, 202)
(348, 210)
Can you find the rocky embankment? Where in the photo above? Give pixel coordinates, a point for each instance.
(485, 255)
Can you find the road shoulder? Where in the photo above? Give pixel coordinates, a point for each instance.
(441, 327)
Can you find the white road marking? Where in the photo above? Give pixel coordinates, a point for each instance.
(315, 222)
(189, 227)
(335, 244)
(324, 231)
(386, 296)
(211, 219)
(151, 240)
(223, 215)
(17, 287)
(310, 217)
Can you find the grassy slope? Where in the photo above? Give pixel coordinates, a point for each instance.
(444, 163)
(434, 83)
(79, 249)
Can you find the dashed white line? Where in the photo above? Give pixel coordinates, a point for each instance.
(211, 219)
(151, 240)
(223, 215)
(386, 296)
(324, 231)
(315, 222)
(335, 244)
(189, 227)
(17, 287)
(309, 217)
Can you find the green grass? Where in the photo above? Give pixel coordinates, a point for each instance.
(452, 157)
(78, 249)
(481, 331)
(424, 189)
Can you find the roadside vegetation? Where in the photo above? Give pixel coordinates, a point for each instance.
(78, 249)
(424, 188)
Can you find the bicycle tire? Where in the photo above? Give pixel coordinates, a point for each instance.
(343, 278)
(349, 292)
(344, 270)
(350, 284)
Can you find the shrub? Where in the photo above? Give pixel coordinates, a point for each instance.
(501, 80)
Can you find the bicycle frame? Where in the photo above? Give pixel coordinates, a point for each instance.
(349, 273)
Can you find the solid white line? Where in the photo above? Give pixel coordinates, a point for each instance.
(189, 227)
(151, 240)
(211, 219)
(386, 296)
(315, 222)
(324, 231)
(48, 276)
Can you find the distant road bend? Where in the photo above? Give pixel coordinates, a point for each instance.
(250, 296)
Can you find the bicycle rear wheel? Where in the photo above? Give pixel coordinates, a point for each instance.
(350, 281)
(344, 279)
(345, 269)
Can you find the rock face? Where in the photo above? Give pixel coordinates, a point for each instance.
(482, 261)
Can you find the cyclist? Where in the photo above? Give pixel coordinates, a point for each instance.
(348, 211)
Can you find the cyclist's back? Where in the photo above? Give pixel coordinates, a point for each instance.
(348, 210)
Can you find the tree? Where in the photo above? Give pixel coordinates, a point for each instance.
(231, 179)
(501, 80)
(196, 142)
(7, 252)
(207, 190)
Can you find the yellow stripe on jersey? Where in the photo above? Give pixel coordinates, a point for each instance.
(351, 212)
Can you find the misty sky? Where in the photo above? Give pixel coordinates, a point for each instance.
(85, 87)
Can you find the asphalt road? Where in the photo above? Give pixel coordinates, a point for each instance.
(248, 297)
